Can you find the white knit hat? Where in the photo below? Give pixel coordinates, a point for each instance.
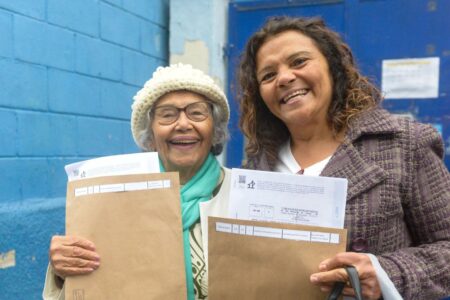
(175, 77)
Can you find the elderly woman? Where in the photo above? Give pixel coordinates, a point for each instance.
(183, 115)
(306, 109)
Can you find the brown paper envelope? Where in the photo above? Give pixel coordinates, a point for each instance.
(250, 267)
(138, 235)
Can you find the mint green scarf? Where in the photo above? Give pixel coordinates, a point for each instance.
(198, 189)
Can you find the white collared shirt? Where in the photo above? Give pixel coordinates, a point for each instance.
(287, 163)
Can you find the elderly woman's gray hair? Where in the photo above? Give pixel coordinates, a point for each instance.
(178, 77)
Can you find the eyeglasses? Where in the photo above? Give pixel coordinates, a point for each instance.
(168, 114)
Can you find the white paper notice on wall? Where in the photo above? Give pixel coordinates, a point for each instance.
(410, 78)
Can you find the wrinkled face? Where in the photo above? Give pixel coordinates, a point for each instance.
(294, 79)
(183, 145)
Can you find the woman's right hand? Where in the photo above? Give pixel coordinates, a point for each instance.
(71, 255)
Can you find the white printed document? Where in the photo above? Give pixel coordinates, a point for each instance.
(125, 164)
(288, 198)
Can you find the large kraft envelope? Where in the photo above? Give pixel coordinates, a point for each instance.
(244, 266)
(138, 235)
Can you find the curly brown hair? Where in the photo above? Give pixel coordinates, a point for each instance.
(352, 92)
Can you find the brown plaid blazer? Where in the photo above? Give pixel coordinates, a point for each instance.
(398, 202)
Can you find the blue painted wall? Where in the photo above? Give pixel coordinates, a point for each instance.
(68, 71)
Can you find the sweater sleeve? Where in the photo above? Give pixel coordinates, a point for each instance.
(422, 271)
(52, 289)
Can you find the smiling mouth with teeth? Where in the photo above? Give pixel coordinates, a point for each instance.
(300, 92)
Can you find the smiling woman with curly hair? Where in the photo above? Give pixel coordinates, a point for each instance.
(352, 92)
(306, 109)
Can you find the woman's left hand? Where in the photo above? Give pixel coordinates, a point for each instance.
(331, 270)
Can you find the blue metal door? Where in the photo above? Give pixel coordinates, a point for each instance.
(376, 30)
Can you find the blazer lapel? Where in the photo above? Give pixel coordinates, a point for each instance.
(361, 174)
(347, 161)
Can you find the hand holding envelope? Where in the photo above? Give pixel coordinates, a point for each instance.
(135, 223)
(270, 250)
(72, 255)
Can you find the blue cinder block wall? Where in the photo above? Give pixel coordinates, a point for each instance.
(68, 71)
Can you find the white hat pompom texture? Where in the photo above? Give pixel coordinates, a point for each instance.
(169, 79)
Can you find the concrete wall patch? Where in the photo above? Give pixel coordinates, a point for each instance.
(8, 259)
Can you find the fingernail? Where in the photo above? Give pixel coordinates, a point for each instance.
(314, 279)
(322, 267)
